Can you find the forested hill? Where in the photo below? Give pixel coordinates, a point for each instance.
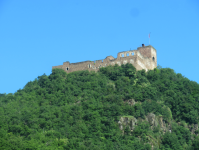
(117, 108)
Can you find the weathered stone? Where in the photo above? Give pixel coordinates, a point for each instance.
(153, 120)
(127, 121)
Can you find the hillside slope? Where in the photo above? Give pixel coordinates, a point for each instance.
(115, 108)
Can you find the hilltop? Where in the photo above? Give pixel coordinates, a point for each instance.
(114, 108)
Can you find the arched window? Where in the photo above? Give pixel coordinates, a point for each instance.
(153, 58)
(67, 68)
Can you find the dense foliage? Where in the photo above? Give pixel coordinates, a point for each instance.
(81, 110)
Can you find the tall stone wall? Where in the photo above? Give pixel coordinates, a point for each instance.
(144, 57)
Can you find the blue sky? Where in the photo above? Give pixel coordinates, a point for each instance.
(38, 34)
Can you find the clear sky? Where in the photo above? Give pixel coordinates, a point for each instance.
(38, 34)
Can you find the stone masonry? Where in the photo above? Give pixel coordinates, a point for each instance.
(144, 57)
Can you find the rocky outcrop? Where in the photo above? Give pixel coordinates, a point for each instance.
(129, 121)
(155, 121)
(151, 118)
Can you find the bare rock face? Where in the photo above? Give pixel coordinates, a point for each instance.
(127, 121)
(153, 120)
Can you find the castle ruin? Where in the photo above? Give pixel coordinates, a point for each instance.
(144, 57)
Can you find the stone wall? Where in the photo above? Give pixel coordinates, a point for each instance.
(144, 57)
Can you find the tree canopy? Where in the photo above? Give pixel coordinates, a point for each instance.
(81, 110)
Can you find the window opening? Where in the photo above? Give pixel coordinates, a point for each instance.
(153, 59)
(122, 55)
(67, 68)
(127, 54)
(132, 54)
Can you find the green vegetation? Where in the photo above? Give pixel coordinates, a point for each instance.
(81, 111)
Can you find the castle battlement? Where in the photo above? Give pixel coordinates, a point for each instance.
(144, 57)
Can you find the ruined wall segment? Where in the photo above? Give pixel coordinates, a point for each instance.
(144, 57)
